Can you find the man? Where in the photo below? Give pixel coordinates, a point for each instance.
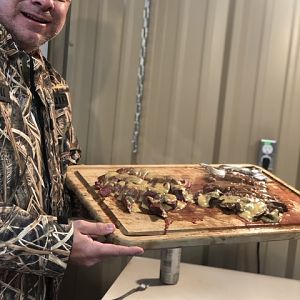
(37, 144)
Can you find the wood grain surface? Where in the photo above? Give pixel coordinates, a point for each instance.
(205, 221)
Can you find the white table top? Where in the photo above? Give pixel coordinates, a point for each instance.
(201, 282)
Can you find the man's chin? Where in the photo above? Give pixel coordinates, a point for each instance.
(31, 44)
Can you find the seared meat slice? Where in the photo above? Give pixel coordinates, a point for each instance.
(128, 202)
(138, 189)
(210, 199)
(276, 204)
(234, 190)
(170, 200)
(240, 191)
(105, 191)
(155, 206)
(235, 177)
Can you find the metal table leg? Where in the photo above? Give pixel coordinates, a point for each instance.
(170, 265)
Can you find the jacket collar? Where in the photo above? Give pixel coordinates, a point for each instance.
(8, 45)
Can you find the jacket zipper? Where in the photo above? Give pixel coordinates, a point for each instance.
(39, 106)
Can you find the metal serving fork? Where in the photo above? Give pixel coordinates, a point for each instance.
(139, 288)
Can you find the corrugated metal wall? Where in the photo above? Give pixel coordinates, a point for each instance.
(220, 75)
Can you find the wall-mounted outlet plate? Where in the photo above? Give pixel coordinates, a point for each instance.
(267, 153)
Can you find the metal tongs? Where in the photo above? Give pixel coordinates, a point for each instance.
(221, 171)
(214, 171)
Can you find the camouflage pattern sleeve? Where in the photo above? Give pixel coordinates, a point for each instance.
(37, 143)
(37, 245)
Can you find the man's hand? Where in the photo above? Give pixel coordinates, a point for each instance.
(87, 252)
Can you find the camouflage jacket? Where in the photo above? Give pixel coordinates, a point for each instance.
(36, 146)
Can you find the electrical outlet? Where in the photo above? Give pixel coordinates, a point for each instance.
(267, 154)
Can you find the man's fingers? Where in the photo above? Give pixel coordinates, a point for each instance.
(107, 250)
(95, 229)
(87, 252)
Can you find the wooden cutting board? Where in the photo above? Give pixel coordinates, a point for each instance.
(189, 219)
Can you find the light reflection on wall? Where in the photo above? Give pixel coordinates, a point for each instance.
(44, 49)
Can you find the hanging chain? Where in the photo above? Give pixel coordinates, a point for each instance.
(141, 78)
